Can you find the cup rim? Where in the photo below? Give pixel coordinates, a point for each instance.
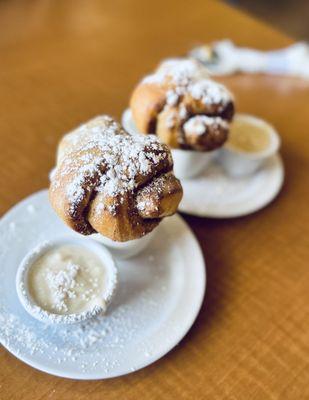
(273, 147)
(38, 312)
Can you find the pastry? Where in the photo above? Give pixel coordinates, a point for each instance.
(183, 106)
(113, 183)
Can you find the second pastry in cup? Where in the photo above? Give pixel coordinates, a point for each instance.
(186, 109)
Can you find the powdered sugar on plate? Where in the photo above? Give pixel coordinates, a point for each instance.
(153, 308)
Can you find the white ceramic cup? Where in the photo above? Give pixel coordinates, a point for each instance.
(128, 123)
(189, 163)
(125, 250)
(36, 311)
(237, 162)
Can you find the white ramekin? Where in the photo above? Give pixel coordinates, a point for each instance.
(125, 250)
(52, 318)
(187, 163)
(239, 163)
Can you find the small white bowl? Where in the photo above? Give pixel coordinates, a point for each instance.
(187, 163)
(45, 316)
(125, 250)
(238, 163)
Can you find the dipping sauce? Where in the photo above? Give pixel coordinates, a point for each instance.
(67, 279)
(248, 137)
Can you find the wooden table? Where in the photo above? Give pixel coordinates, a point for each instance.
(64, 62)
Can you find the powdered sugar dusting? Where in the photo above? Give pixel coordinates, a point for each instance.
(205, 90)
(210, 92)
(101, 156)
(178, 71)
(186, 76)
(63, 284)
(200, 124)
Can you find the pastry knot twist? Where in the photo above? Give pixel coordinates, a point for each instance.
(110, 182)
(183, 106)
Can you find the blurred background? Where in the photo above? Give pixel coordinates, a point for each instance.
(291, 16)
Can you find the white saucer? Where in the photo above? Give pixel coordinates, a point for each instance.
(215, 194)
(159, 296)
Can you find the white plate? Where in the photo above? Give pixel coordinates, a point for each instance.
(215, 194)
(159, 296)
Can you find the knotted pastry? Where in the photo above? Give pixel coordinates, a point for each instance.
(113, 183)
(183, 106)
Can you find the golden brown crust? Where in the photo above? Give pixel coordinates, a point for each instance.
(145, 112)
(205, 133)
(157, 199)
(178, 90)
(101, 171)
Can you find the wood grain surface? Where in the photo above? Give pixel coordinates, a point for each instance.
(62, 62)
